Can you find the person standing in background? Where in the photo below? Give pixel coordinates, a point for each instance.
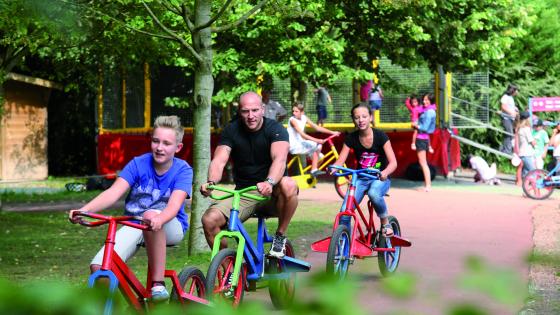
(509, 113)
(323, 99)
(541, 138)
(272, 109)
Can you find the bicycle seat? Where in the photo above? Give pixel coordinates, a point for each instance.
(264, 212)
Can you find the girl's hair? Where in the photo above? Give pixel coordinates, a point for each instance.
(366, 106)
(299, 106)
(431, 97)
(171, 122)
(511, 89)
(414, 97)
(524, 123)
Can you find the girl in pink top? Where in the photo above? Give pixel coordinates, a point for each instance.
(413, 105)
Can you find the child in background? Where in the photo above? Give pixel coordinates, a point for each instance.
(372, 149)
(412, 103)
(158, 185)
(555, 142)
(525, 143)
(301, 142)
(541, 148)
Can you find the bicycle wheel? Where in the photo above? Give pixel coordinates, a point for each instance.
(341, 184)
(218, 278)
(281, 291)
(389, 261)
(534, 185)
(338, 255)
(192, 281)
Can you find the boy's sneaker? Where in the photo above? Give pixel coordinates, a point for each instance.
(278, 248)
(316, 173)
(159, 293)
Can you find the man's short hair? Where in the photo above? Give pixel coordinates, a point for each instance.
(171, 122)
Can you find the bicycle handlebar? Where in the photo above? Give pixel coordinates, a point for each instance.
(232, 193)
(103, 219)
(371, 173)
(329, 139)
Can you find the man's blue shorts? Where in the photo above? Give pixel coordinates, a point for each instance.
(321, 112)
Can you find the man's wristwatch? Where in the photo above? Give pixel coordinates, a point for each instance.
(271, 181)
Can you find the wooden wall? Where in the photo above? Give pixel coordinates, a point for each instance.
(23, 134)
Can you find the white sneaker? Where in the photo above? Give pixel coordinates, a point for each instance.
(159, 293)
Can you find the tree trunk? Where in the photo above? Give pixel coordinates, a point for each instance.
(203, 88)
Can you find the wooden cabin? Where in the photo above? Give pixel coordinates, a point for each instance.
(23, 132)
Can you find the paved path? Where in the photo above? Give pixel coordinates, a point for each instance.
(445, 226)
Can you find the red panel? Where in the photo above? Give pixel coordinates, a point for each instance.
(115, 150)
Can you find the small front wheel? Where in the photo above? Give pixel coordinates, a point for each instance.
(219, 278)
(341, 184)
(389, 261)
(283, 288)
(338, 256)
(192, 282)
(534, 184)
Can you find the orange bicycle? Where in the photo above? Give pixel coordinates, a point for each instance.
(305, 180)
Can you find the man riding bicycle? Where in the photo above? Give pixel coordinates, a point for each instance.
(258, 147)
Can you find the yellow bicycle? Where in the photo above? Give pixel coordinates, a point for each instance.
(305, 180)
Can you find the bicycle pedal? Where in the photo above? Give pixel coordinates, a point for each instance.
(251, 285)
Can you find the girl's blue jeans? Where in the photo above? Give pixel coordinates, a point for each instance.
(376, 190)
(528, 164)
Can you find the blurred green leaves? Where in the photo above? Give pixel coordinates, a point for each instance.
(504, 286)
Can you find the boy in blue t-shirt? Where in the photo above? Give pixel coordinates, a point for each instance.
(159, 184)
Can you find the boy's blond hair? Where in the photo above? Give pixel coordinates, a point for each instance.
(171, 122)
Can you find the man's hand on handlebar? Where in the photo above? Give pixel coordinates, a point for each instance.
(264, 188)
(204, 190)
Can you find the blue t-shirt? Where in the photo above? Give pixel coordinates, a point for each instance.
(148, 190)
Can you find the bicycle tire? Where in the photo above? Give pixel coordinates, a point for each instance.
(192, 281)
(341, 184)
(533, 185)
(388, 262)
(281, 292)
(338, 255)
(219, 271)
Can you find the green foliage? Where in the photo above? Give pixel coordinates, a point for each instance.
(400, 285)
(501, 285)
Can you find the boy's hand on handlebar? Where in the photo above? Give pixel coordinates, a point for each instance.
(264, 188)
(71, 216)
(155, 223)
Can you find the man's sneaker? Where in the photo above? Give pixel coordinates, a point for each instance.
(278, 248)
(316, 173)
(159, 293)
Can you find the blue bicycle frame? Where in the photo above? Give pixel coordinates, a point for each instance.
(254, 255)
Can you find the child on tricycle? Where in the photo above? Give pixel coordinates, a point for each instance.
(159, 184)
(372, 149)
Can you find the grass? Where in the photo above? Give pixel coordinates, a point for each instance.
(31, 196)
(45, 246)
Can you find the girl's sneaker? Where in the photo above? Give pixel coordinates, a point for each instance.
(159, 293)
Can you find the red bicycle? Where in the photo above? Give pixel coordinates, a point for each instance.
(187, 287)
(355, 236)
